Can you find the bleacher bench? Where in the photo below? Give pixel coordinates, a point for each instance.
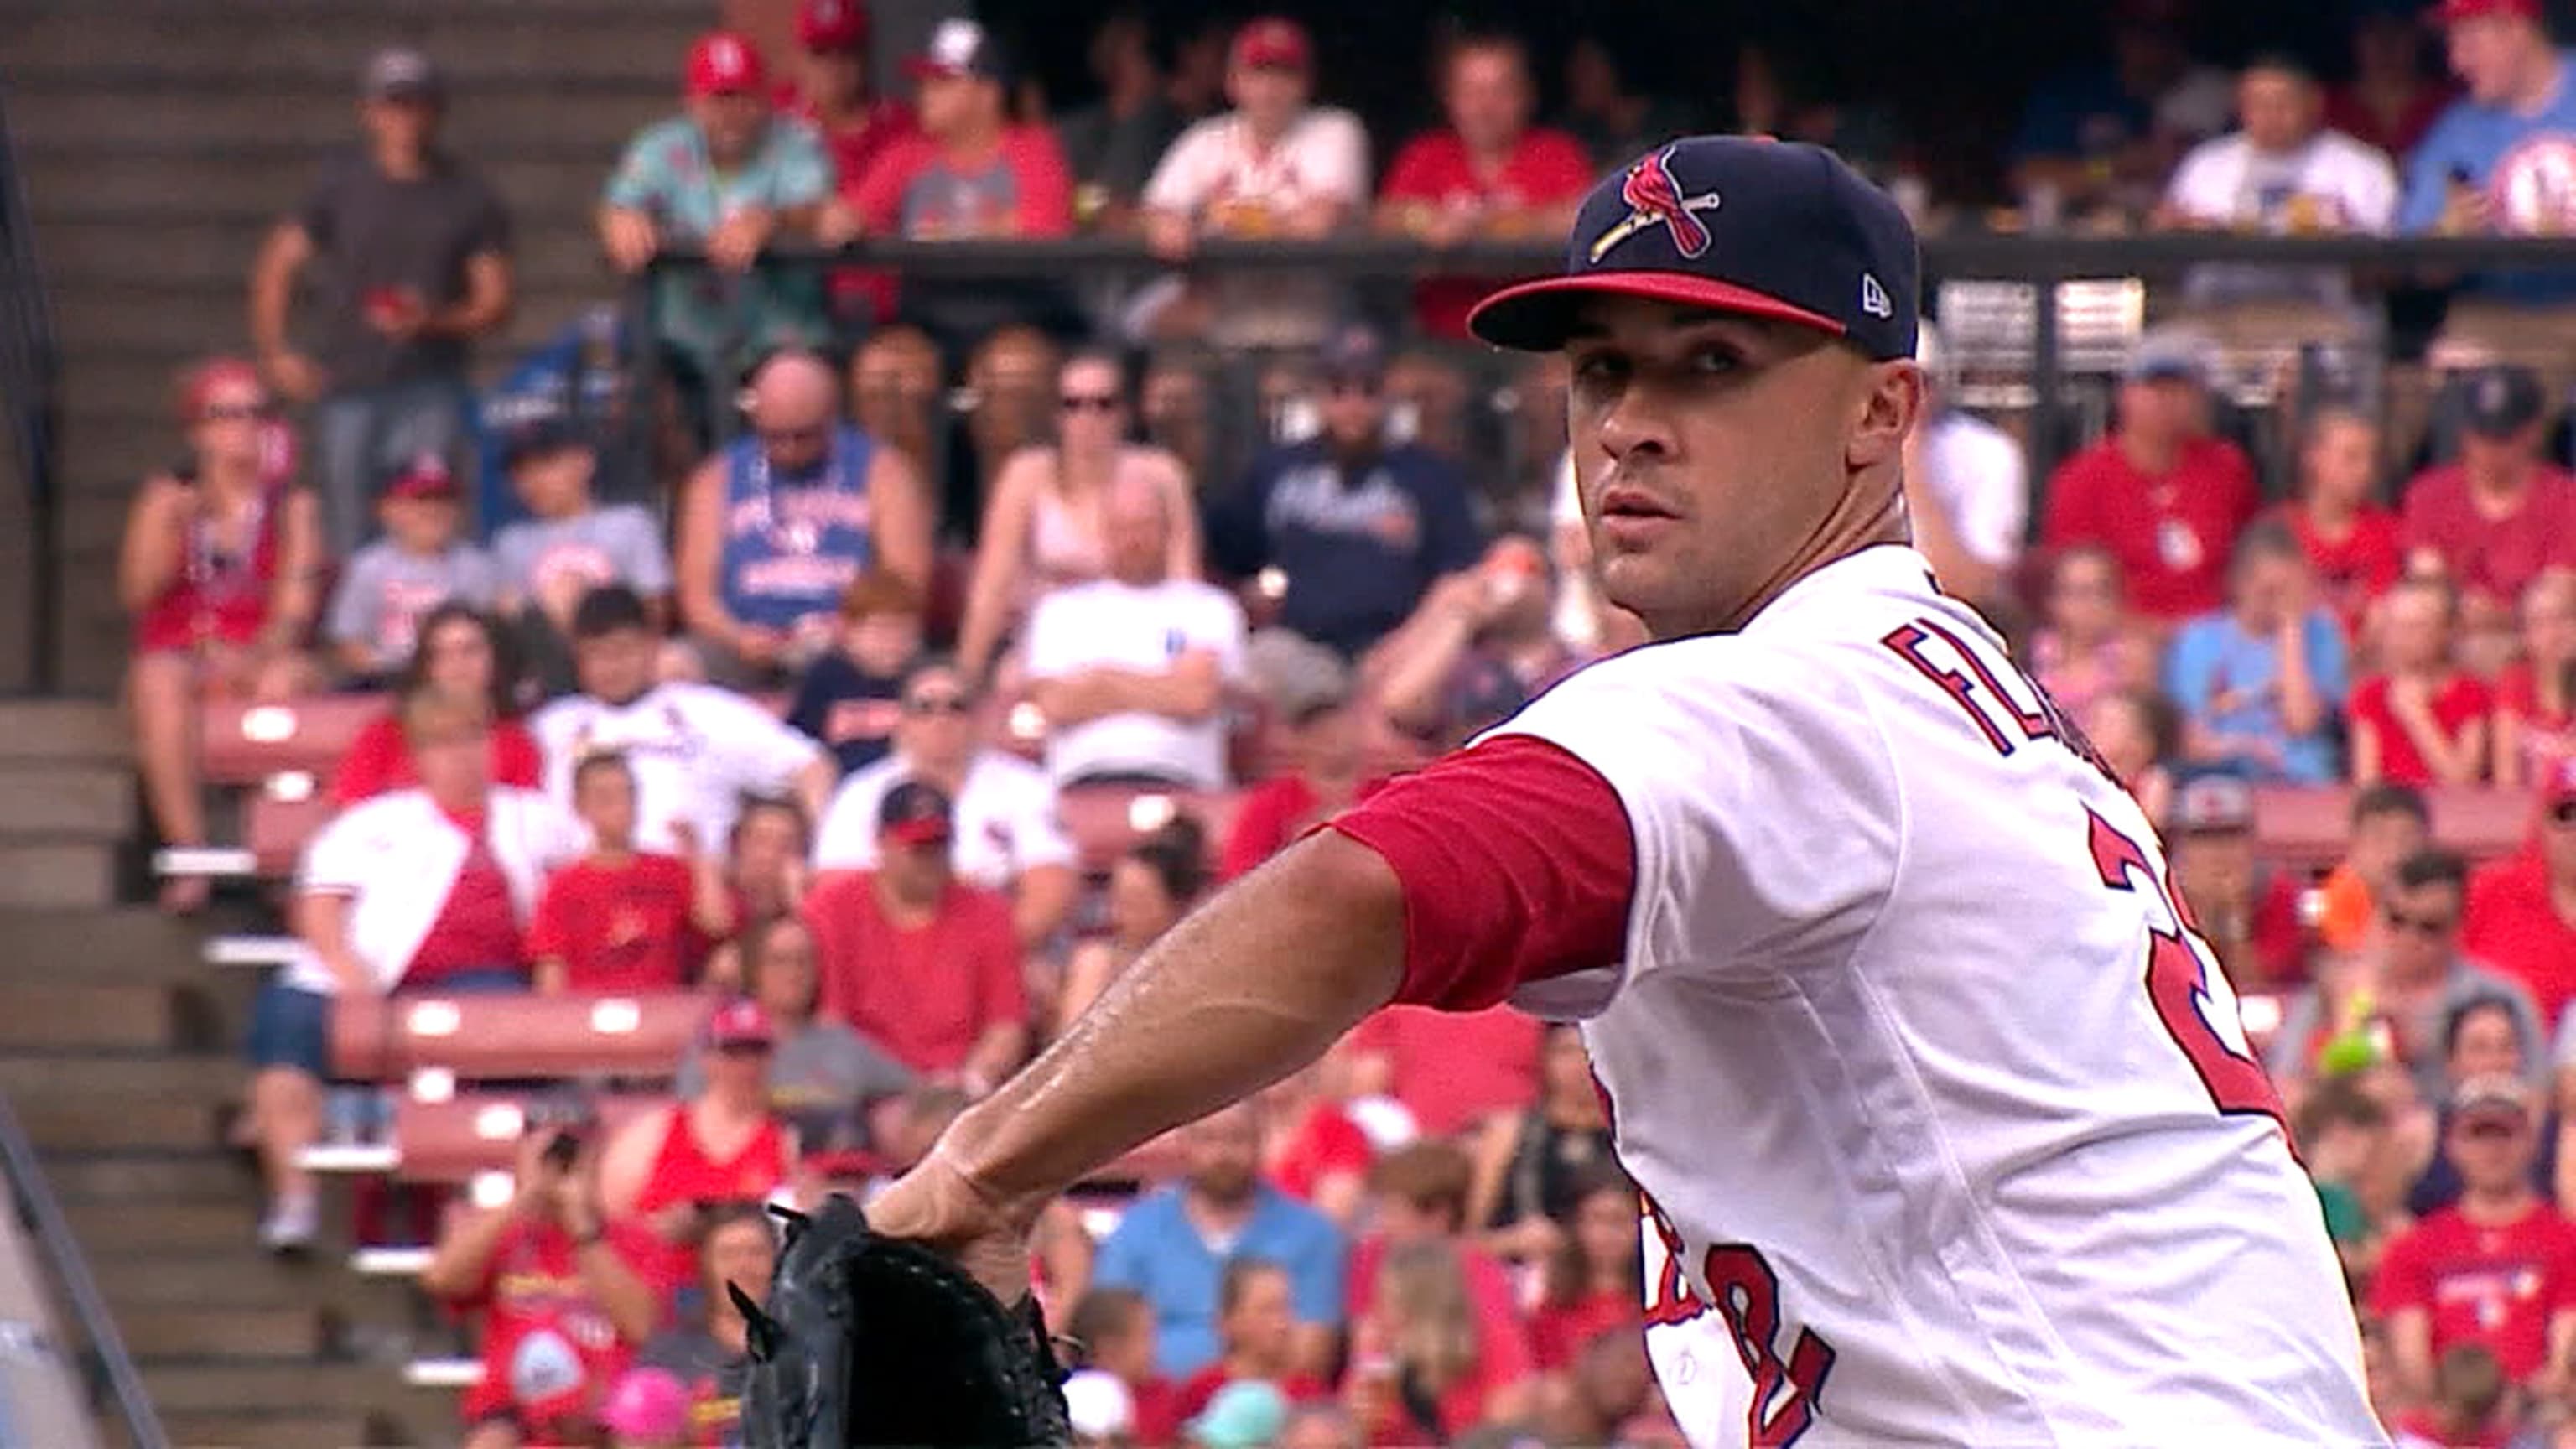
(2308, 827)
(451, 1142)
(513, 1037)
(245, 744)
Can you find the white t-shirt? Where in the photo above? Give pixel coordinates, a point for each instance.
(1214, 168)
(1931, 1094)
(696, 751)
(1981, 482)
(1006, 823)
(1143, 628)
(2344, 185)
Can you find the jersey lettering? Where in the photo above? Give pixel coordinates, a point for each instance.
(1993, 699)
(2195, 1006)
(1748, 1302)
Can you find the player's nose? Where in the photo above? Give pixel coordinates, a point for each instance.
(1635, 429)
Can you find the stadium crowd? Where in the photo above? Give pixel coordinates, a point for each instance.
(774, 739)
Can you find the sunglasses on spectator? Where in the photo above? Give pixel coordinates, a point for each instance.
(740, 1049)
(234, 412)
(2563, 813)
(937, 704)
(1088, 402)
(1352, 387)
(2420, 925)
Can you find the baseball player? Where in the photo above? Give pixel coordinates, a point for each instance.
(1946, 1126)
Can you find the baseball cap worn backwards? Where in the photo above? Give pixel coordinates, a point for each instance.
(1760, 228)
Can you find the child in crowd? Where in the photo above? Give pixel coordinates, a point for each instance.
(619, 919)
(2134, 730)
(393, 583)
(2342, 1130)
(2422, 721)
(568, 545)
(850, 697)
(2086, 646)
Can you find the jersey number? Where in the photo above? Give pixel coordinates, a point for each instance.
(2178, 984)
(1748, 1299)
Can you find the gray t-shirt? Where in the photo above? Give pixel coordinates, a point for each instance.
(386, 592)
(821, 1080)
(2287, 1059)
(710, 1372)
(372, 234)
(618, 544)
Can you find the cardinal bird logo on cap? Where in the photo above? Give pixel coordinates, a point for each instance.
(1655, 199)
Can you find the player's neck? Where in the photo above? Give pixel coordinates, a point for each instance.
(1853, 527)
(2500, 1208)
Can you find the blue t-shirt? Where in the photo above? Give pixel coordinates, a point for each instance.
(1359, 545)
(2499, 151)
(792, 546)
(1156, 1252)
(2228, 682)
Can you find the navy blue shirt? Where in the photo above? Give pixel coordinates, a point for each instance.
(1359, 545)
(848, 709)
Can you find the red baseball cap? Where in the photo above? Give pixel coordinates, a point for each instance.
(740, 1022)
(916, 812)
(2451, 12)
(726, 63)
(832, 26)
(1273, 41)
(427, 477)
(959, 48)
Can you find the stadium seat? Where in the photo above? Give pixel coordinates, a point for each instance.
(247, 743)
(451, 1141)
(505, 1038)
(288, 810)
(1105, 820)
(2309, 826)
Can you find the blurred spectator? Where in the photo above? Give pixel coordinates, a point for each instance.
(1530, 1165)
(2493, 1270)
(647, 1409)
(2350, 539)
(2536, 695)
(666, 1170)
(696, 750)
(2340, 1128)
(2259, 684)
(1615, 120)
(1150, 888)
(2390, 100)
(1967, 486)
(1450, 1070)
(1315, 1149)
(2111, 133)
(2134, 731)
(1173, 1243)
(1490, 175)
(458, 656)
(1113, 143)
(1593, 1283)
(917, 960)
(2165, 497)
(2499, 517)
(410, 253)
(565, 1293)
(1131, 669)
(2495, 162)
(2282, 172)
(1422, 1364)
(1420, 1195)
(390, 585)
(1784, 88)
(2086, 646)
(1600, 1398)
(2472, 1404)
(1247, 1415)
(849, 697)
(619, 919)
(1115, 1327)
(1201, 48)
(569, 544)
(767, 874)
(1256, 1325)
(420, 889)
(828, 1082)
(969, 172)
(2522, 910)
(1482, 645)
(829, 89)
(1047, 524)
(1010, 837)
(1321, 754)
(711, 1357)
(729, 177)
(1319, 1426)
(775, 528)
(2422, 721)
(2389, 823)
(2479, 1042)
(2248, 914)
(1273, 166)
(1358, 526)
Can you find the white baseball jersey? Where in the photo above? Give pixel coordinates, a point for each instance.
(696, 750)
(1007, 820)
(1947, 1126)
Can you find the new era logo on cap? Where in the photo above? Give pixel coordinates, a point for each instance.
(1873, 297)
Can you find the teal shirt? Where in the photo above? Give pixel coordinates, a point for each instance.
(720, 319)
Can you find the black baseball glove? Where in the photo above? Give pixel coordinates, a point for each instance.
(873, 1341)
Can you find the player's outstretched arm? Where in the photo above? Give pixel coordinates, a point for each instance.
(1246, 990)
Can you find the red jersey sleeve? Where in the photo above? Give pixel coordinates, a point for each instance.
(368, 764)
(1516, 862)
(515, 757)
(1046, 183)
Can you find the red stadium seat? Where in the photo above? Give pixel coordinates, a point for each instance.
(2308, 826)
(277, 822)
(452, 1140)
(247, 743)
(1105, 820)
(502, 1038)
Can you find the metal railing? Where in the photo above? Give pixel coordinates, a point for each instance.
(29, 376)
(111, 1368)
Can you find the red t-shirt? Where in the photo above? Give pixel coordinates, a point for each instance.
(379, 760)
(2546, 736)
(550, 1352)
(618, 927)
(854, 148)
(2346, 113)
(915, 189)
(1158, 1412)
(2493, 1286)
(2456, 705)
(1198, 1388)
(2355, 568)
(1558, 1334)
(1546, 168)
(2171, 534)
(478, 927)
(2493, 556)
(1327, 1141)
(928, 993)
(1451, 1069)
(2512, 925)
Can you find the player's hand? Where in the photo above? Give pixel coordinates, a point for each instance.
(630, 240)
(936, 1203)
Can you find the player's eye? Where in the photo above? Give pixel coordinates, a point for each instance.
(1602, 368)
(1715, 359)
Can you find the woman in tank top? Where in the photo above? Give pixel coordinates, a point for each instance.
(723, 1145)
(217, 570)
(1042, 525)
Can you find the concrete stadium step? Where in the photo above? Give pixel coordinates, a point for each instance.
(112, 1123)
(49, 873)
(482, 120)
(109, 1229)
(181, 1386)
(60, 729)
(129, 945)
(194, 1081)
(140, 261)
(47, 797)
(179, 187)
(73, 1016)
(114, 1181)
(285, 1429)
(242, 1277)
(226, 1331)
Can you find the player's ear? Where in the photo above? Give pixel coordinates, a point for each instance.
(1890, 404)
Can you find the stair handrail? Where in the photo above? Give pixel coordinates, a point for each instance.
(30, 379)
(37, 1206)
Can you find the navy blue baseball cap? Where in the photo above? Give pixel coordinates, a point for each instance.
(1740, 224)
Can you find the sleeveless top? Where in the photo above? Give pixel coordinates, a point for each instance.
(1547, 1163)
(219, 595)
(791, 548)
(683, 1172)
(1065, 545)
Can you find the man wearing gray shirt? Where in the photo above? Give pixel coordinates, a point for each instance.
(393, 583)
(568, 545)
